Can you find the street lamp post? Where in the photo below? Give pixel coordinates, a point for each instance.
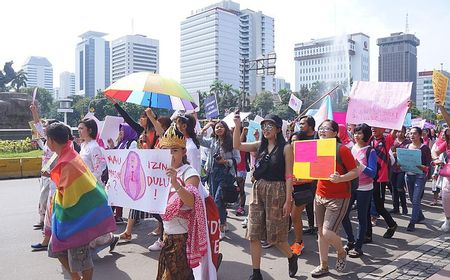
(263, 65)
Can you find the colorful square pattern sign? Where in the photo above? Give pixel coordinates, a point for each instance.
(315, 159)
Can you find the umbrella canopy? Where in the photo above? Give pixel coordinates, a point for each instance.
(149, 89)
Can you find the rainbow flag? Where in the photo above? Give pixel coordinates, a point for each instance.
(80, 212)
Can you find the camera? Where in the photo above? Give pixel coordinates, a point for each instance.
(217, 156)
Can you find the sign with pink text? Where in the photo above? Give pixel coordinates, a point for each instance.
(138, 180)
(379, 104)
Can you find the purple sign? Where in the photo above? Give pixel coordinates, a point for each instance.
(211, 108)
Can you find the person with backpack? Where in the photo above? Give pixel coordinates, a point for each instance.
(398, 175)
(366, 160)
(382, 144)
(220, 165)
(270, 206)
(416, 181)
(332, 200)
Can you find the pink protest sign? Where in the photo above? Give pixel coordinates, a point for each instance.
(379, 104)
(307, 151)
(340, 117)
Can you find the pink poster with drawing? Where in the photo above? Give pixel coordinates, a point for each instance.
(379, 104)
(137, 179)
(340, 117)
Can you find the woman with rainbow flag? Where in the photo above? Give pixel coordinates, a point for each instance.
(80, 210)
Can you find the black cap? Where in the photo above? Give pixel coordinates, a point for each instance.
(275, 119)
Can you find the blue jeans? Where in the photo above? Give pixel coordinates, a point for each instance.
(398, 191)
(416, 187)
(216, 177)
(362, 199)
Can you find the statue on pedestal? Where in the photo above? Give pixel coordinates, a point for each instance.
(7, 75)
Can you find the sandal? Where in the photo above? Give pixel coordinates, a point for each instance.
(125, 236)
(355, 253)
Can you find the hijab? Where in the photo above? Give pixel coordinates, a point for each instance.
(128, 135)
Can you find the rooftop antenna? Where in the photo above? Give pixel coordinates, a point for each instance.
(407, 25)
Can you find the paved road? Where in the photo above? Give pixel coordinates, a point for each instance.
(18, 201)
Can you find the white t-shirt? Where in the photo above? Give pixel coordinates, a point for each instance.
(193, 154)
(91, 154)
(178, 225)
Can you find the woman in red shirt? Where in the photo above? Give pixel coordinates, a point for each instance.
(331, 201)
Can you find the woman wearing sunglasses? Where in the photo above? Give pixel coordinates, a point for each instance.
(271, 200)
(332, 200)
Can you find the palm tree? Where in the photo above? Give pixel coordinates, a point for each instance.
(20, 80)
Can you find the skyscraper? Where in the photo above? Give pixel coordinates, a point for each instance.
(39, 72)
(332, 60)
(214, 42)
(397, 60)
(92, 64)
(257, 39)
(425, 92)
(66, 85)
(134, 53)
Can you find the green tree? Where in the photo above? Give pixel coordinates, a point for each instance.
(227, 97)
(263, 104)
(44, 99)
(20, 80)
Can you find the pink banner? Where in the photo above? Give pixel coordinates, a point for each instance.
(340, 117)
(379, 104)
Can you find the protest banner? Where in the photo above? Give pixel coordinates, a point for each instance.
(440, 84)
(418, 122)
(407, 121)
(379, 104)
(252, 127)
(295, 103)
(229, 119)
(138, 180)
(315, 159)
(110, 128)
(211, 107)
(340, 117)
(409, 159)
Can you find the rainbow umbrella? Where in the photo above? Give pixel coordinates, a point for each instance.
(153, 90)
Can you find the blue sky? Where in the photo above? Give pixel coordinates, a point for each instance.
(51, 28)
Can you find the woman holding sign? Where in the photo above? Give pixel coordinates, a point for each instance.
(271, 201)
(332, 200)
(416, 181)
(184, 221)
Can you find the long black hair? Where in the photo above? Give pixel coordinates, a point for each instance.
(227, 144)
(279, 142)
(189, 121)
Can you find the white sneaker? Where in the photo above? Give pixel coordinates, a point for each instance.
(244, 222)
(157, 246)
(222, 235)
(446, 226)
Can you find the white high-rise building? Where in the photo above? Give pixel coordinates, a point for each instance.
(39, 72)
(92, 64)
(134, 53)
(256, 41)
(332, 60)
(66, 85)
(425, 92)
(210, 47)
(214, 43)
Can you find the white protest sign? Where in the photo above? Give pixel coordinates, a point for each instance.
(379, 104)
(295, 103)
(196, 98)
(110, 128)
(137, 179)
(229, 119)
(418, 122)
(258, 119)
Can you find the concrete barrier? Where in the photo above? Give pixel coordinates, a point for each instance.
(10, 168)
(31, 167)
(20, 167)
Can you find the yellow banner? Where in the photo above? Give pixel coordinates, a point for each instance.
(440, 83)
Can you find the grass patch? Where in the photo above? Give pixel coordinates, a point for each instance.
(34, 153)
